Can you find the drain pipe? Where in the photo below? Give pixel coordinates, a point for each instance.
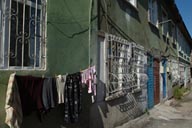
(90, 25)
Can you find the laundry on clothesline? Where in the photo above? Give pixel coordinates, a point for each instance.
(89, 78)
(26, 94)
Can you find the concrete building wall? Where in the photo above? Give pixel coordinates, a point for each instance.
(70, 49)
(68, 29)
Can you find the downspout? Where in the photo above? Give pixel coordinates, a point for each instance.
(90, 25)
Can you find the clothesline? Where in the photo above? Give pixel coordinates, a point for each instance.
(28, 93)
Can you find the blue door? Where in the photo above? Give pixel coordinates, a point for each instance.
(164, 63)
(150, 83)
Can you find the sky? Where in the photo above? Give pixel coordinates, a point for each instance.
(185, 9)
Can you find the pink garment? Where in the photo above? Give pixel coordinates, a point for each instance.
(88, 77)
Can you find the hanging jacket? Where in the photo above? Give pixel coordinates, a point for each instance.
(13, 109)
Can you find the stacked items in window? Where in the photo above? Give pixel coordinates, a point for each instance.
(118, 67)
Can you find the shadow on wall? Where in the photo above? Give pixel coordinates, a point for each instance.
(114, 113)
(129, 9)
(143, 3)
(154, 29)
(96, 120)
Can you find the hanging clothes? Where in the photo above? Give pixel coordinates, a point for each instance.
(72, 97)
(13, 109)
(89, 78)
(60, 83)
(49, 93)
(30, 90)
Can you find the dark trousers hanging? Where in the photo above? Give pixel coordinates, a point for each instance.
(72, 97)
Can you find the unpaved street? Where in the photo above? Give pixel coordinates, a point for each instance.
(172, 114)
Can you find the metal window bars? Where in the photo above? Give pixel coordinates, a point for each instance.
(138, 66)
(124, 62)
(173, 70)
(24, 34)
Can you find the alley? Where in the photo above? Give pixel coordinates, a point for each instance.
(174, 114)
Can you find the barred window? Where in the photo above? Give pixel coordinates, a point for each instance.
(165, 26)
(23, 34)
(153, 12)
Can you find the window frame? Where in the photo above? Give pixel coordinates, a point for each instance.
(173, 35)
(132, 2)
(121, 65)
(38, 51)
(166, 24)
(152, 13)
(173, 32)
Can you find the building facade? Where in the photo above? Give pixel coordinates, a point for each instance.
(141, 50)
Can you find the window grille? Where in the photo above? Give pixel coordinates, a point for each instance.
(173, 71)
(182, 73)
(23, 34)
(139, 65)
(121, 70)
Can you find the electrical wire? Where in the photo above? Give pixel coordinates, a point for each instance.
(106, 14)
(90, 22)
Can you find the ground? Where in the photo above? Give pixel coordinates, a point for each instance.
(170, 114)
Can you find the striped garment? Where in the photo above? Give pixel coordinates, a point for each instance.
(13, 108)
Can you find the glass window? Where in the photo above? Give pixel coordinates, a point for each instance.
(173, 32)
(165, 24)
(24, 35)
(153, 12)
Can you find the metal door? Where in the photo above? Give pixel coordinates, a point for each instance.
(150, 83)
(164, 63)
(156, 81)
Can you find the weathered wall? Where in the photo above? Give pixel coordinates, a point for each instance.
(68, 32)
(67, 52)
(132, 23)
(122, 19)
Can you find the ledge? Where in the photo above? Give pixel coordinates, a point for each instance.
(132, 6)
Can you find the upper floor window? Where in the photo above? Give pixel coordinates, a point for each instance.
(173, 35)
(132, 2)
(165, 23)
(173, 32)
(23, 34)
(153, 12)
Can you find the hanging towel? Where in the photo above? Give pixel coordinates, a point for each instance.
(89, 78)
(49, 93)
(93, 79)
(30, 90)
(14, 115)
(60, 83)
